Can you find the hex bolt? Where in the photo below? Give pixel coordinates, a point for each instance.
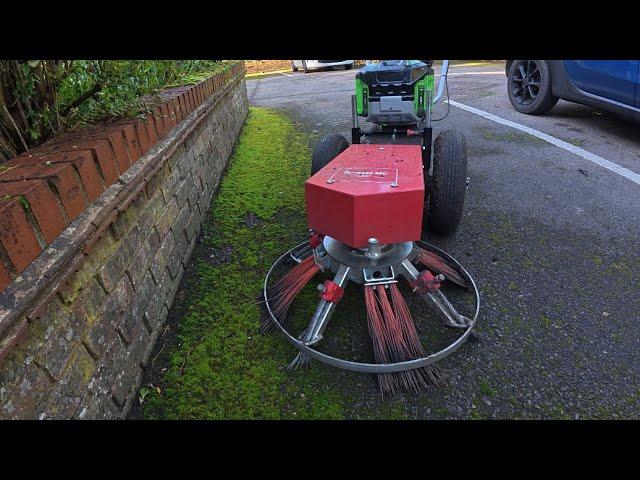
(375, 250)
(440, 277)
(320, 287)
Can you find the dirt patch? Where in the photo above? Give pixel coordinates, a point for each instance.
(265, 66)
(251, 220)
(220, 256)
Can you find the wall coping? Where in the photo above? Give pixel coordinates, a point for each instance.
(46, 188)
(23, 299)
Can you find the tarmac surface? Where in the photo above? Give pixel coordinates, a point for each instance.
(551, 239)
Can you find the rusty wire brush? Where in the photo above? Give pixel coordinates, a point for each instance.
(281, 294)
(395, 339)
(437, 264)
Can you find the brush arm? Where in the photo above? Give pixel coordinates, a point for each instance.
(322, 315)
(451, 316)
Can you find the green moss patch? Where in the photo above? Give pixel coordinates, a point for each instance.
(220, 366)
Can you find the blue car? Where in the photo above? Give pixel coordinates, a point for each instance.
(535, 86)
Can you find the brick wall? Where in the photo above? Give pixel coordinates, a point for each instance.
(95, 232)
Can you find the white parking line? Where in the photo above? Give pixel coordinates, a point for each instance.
(593, 158)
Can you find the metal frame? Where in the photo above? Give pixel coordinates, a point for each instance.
(375, 367)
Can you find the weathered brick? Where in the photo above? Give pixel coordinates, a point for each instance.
(152, 132)
(63, 336)
(67, 392)
(98, 402)
(150, 214)
(5, 279)
(116, 307)
(27, 401)
(155, 181)
(102, 250)
(158, 117)
(114, 269)
(174, 286)
(171, 184)
(166, 219)
(162, 256)
(189, 251)
(123, 381)
(62, 176)
(133, 143)
(42, 204)
(140, 263)
(127, 218)
(193, 225)
(183, 191)
(156, 301)
(143, 135)
(99, 148)
(166, 117)
(83, 163)
(16, 235)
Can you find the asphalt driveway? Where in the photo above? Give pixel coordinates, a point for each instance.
(551, 238)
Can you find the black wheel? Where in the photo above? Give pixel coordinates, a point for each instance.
(293, 67)
(448, 186)
(529, 86)
(328, 148)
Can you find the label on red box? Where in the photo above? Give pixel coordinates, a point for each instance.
(365, 175)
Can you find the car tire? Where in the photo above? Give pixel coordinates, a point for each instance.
(328, 148)
(293, 67)
(348, 67)
(529, 86)
(448, 185)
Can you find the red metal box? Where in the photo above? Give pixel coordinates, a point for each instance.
(368, 191)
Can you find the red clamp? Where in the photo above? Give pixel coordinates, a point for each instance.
(315, 239)
(331, 291)
(426, 282)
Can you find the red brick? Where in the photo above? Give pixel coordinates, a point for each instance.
(117, 142)
(152, 132)
(43, 205)
(16, 235)
(178, 108)
(200, 93)
(159, 122)
(61, 175)
(186, 98)
(194, 98)
(129, 130)
(100, 148)
(5, 279)
(166, 118)
(183, 104)
(82, 162)
(143, 135)
(119, 145)
(172, 112)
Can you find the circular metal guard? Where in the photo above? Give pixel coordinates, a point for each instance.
(378, 367)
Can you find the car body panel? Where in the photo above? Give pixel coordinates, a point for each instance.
(563, 86)
(314, 64)
(612, 79)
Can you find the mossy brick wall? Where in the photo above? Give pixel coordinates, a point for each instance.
(95, 231)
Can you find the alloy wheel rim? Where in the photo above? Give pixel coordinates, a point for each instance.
(525, 82)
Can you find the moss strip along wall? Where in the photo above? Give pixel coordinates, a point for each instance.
(99, 236)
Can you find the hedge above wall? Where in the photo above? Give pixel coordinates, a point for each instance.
(43, 190)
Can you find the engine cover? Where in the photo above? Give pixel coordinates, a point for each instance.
(368, 191)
